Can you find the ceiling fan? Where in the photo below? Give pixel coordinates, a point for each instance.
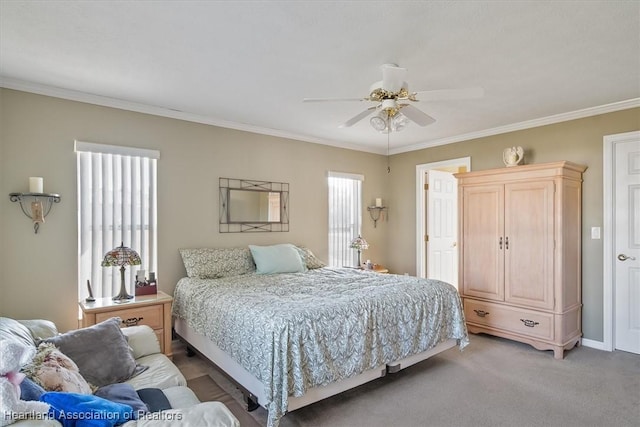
(391, 95)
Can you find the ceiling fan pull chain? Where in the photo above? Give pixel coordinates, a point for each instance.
(388, 133)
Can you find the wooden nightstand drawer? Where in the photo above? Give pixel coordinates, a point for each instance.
(151, 316)
(511, 319)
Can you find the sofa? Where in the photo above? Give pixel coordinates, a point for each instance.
(158, 372)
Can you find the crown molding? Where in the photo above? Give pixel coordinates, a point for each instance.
(105, 101)
(528, 124)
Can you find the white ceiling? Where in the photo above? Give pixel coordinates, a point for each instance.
(248, 64)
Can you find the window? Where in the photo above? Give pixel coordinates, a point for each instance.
(117, 203)
(345, 217)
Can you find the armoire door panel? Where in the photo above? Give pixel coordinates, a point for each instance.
(529, 241)
(483, 265)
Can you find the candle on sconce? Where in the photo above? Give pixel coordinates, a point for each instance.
(36, 184)
(378, 203)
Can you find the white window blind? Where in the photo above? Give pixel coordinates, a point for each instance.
(117, 202)
(345, 217)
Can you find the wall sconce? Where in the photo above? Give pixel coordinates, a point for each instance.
(41, 202)
(376, 212)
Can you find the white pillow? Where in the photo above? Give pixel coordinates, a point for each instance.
(142, 340)
(283, 258)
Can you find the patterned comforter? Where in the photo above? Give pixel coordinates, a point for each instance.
(302, 330)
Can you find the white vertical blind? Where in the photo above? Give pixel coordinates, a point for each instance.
(117, 202)
(345, 217)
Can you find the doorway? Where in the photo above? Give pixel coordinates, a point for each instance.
(621, 177)
(432, 216)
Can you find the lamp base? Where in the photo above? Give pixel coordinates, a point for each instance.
(123, 296)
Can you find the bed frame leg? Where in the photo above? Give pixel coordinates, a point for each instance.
(190, 352)
(252, 401)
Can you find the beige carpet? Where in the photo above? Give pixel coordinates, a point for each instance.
(207, 390)
(493, 382)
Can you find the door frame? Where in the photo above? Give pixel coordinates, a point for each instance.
(421, 215)
(608, 312)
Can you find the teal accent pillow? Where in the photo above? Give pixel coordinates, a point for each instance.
(283, 258)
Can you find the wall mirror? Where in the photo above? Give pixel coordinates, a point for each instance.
(250, 205)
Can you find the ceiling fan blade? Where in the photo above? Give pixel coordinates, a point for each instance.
(415, 115)
(392, 77)
(333, 99)
(355, 119)
(445, 94)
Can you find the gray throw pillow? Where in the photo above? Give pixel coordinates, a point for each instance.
(101, 352)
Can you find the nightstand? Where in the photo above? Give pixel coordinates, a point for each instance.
(151, 310)
(377, 268)
(380, 269)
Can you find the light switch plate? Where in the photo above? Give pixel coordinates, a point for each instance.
(595, 232)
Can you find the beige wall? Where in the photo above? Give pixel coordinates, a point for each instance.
(579, 141)
(38, 273)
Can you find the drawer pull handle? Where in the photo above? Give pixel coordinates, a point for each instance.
(481, 313)
(500, 243)
(529, 323)
(132, 321)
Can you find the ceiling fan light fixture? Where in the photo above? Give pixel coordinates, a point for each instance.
(399, 122)
(379, 122)
(389, 121)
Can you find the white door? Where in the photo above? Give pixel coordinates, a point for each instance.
(627, 245)
(442, 227)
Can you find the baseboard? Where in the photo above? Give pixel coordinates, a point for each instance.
(598, 345)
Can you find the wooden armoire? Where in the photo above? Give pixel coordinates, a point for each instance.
(520, 253)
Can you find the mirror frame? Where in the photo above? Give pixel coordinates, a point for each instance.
(228, 226)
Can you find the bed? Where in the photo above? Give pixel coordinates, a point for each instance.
(291, 339)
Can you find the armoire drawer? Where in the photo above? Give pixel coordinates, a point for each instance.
(512, 319)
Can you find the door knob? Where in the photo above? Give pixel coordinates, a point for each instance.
(623, 257)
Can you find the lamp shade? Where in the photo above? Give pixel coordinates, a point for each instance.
(359, 243)
(120, 256)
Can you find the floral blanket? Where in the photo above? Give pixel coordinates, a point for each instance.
(302, 330)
